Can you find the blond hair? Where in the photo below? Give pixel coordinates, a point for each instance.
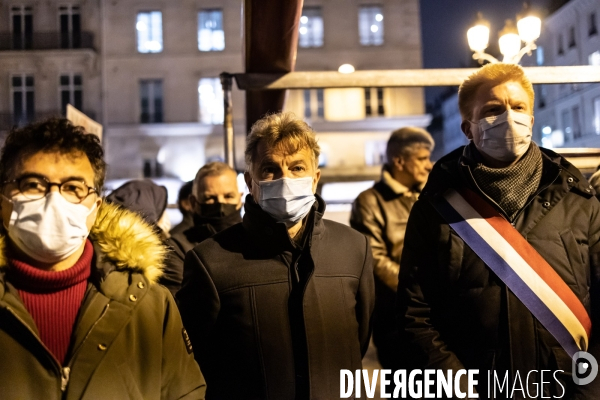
(497, 74)
(283, 130)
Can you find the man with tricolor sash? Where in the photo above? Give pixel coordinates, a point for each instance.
(495, 274)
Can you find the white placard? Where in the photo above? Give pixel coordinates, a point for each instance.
(78, 118)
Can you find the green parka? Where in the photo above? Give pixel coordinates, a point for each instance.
(128, 341)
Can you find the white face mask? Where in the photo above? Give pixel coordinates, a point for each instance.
(49, 229)
(504, 137)
(287, 200)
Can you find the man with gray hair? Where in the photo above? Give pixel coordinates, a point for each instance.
(381, 213)
(216, 202)
(276, 306)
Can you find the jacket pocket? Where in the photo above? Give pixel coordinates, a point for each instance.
(130, 383)
(578, 265)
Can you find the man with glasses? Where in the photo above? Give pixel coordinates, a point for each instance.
(81, 317)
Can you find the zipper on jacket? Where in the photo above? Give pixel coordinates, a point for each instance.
(66, 371)
(64, 378)
(104, 311)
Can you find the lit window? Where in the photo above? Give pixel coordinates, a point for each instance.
(594, 58)
(149, 32)
(71, 91)
(539, 55)
(314, 104)
(210, 94)
(370, 25)
(151, 98)
(597, 115)
(546, 130)
(311, 27)
(211, 36)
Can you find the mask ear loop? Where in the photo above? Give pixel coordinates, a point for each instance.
(475, 125)
(254, 183)
(93, 207)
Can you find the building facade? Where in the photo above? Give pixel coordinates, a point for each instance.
(568, 115)
(149, 72)
(354, 124)
(48, 58)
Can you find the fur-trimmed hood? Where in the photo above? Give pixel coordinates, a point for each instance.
(125, 239)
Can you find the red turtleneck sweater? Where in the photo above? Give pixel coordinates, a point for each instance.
(53, 298)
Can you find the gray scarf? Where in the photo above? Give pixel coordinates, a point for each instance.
(512, 186)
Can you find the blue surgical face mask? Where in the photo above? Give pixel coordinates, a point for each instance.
(287, 200)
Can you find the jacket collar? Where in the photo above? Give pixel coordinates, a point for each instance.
(266, 232)
(122, 241)
(452, 171)
(395, 186)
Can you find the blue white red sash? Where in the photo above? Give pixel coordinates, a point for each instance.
(519, 266)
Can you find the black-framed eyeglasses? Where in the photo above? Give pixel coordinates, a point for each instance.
(35, 187)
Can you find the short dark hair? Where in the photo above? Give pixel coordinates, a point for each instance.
(184, 192)
(214, 168)
(52, 135)
(404, 141)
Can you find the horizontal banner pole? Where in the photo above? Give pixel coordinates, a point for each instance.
(404, 78)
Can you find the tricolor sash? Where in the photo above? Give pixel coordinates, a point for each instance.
(506, 252)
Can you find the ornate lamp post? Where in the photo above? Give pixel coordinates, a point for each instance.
(527, 30)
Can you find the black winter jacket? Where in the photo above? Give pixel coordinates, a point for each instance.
(270, 321)
(184, 241)
(458, 314)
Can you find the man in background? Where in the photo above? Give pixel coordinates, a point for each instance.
(185, 208)
(215, 201)
(147, 199)
(381, 214)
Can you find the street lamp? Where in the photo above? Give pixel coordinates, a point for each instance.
(527, 30)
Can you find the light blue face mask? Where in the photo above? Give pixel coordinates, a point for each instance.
(287, 200)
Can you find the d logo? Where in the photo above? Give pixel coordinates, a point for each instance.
(584, 368)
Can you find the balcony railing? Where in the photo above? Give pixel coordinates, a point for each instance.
(46, 41)
(13, 120)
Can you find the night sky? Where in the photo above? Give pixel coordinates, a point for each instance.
(445, 24)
